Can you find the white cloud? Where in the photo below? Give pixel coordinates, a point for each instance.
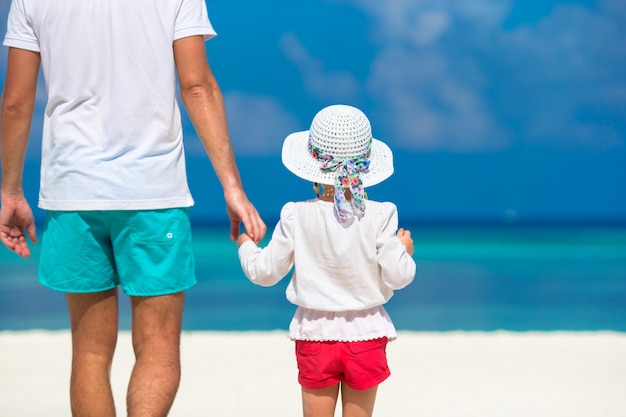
(449, 74)
(422, 105)
(258, 124)
(335, 86)
(570, 66)
(430, 27)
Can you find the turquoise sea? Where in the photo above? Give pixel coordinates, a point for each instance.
(487, 278)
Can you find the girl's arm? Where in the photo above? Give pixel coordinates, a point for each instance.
(395, 250)
(269, 265)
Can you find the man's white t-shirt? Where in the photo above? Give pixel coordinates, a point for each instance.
(112, 136)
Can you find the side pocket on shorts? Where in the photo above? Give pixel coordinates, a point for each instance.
(153, 228)
(65, 233)
(308, 348)
(367, 345)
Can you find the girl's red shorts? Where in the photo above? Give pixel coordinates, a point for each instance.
(361, 365)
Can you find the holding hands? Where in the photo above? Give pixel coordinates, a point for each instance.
(240, 210)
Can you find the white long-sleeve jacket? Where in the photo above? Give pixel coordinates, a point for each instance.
(338, 267)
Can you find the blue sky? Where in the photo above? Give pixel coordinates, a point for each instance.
(496, 110)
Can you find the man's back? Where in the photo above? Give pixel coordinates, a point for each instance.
(112, 129)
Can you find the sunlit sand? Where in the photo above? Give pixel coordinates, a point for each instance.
(433, 374)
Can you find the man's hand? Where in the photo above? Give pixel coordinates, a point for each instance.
(240, 210)
(16, 220)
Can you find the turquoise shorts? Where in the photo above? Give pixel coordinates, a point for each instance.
(145, 252)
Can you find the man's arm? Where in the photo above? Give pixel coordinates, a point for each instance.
(204, 103)
(16, 113)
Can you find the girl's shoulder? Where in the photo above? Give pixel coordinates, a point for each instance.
(316, 207)
(290, 207)
(382, 206)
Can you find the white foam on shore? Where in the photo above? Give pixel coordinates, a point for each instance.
(528, 374)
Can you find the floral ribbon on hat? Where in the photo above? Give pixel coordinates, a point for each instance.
(347, 175)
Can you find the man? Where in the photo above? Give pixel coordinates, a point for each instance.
(113, 179)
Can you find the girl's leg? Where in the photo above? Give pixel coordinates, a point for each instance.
(319, 402)
(357, 403)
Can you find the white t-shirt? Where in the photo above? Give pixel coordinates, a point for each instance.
(343, 274)
(112, 136)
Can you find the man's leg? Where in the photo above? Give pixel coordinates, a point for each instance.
(156, 340)
(94, 321)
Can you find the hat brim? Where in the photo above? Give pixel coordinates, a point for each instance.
(298, 160)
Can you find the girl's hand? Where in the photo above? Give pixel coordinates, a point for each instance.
(405, 238)
(243, 238)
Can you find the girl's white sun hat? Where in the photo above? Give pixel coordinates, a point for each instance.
(341, 133)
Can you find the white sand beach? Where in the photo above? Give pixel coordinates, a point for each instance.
(433, 374)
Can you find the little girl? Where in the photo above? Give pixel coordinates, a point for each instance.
(348, 255)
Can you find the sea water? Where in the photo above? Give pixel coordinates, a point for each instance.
(517, 278)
